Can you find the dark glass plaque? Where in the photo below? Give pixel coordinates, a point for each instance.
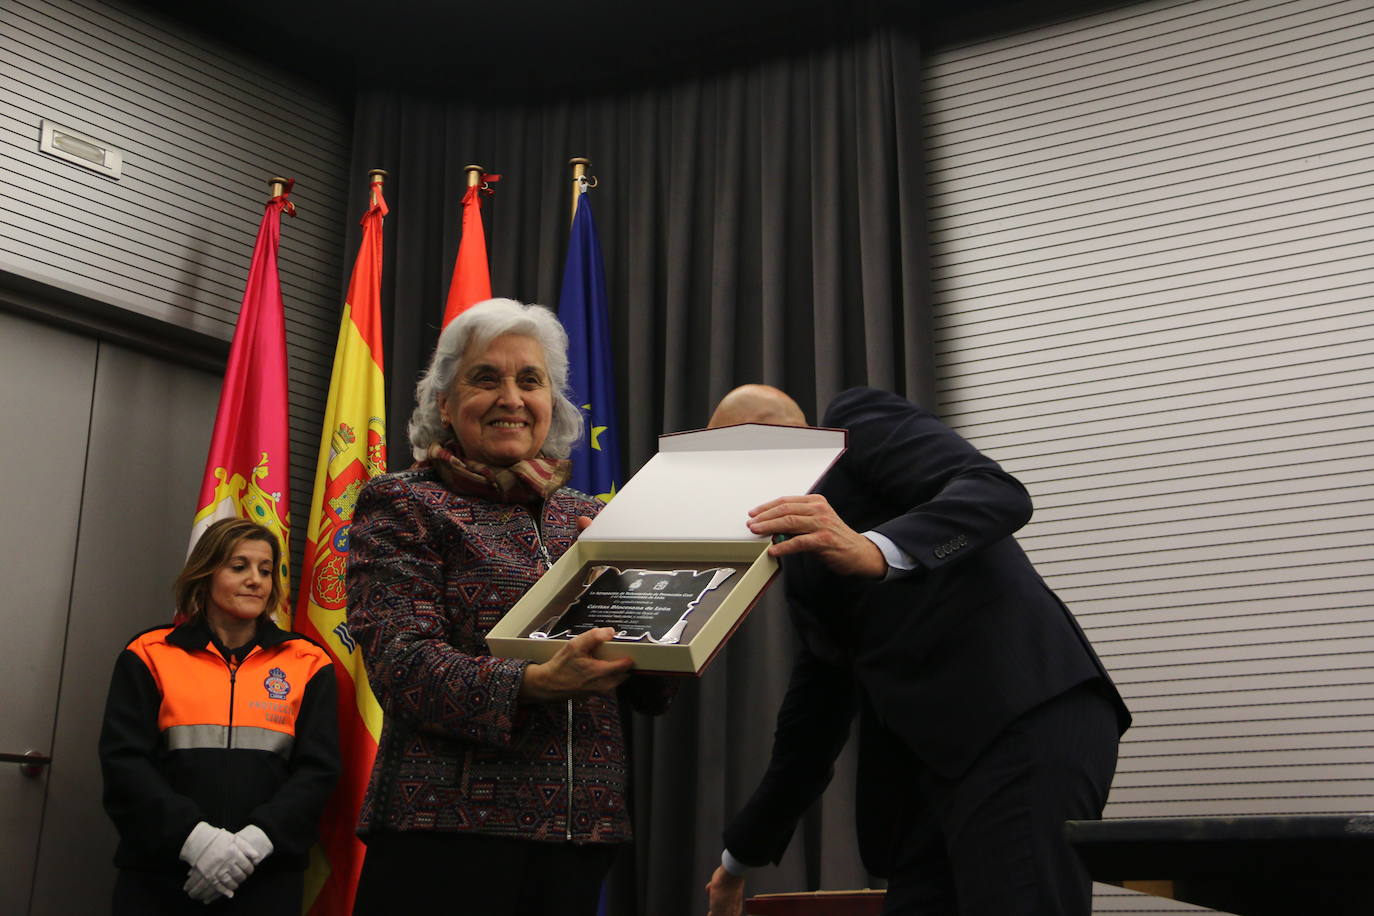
(641, 605)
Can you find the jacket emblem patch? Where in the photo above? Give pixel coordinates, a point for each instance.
(277, 685)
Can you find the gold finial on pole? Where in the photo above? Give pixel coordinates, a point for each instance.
(579, 167)
(374, 178)
(276, 184)
(475, 173)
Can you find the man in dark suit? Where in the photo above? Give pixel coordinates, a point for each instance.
(985, 719)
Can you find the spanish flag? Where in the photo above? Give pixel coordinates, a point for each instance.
(352, 450)
(246, 472)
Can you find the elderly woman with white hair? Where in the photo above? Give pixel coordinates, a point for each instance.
(499, 784)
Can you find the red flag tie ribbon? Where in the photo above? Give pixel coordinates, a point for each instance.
(378, 203)
(283, 200)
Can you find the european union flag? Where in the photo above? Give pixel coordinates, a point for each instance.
(585, 314)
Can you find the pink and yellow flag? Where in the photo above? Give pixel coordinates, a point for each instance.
(352, 450)
(471, 274)
(247, 473)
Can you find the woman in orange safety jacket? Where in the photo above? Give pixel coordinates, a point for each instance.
(219, 746)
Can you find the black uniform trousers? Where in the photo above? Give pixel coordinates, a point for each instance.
(991, 842)
(266, 892)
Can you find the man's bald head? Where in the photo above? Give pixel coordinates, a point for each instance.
(757, 404)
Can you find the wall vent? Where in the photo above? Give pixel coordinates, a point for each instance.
(80, 149)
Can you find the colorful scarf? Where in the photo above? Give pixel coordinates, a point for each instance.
(523, 482)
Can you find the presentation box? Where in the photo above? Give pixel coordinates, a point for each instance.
(670, 562)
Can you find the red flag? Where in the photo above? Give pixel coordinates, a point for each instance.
(471, 275)
(246, 472)
(352, 450)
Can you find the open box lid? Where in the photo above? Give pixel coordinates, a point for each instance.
(702, 484)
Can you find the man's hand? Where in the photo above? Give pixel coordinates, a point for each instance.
(813, 527)
(725, 894)
(574, 672)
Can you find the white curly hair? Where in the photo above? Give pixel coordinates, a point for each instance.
(475, 328)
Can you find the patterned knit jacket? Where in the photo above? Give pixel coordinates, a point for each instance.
(429, 573)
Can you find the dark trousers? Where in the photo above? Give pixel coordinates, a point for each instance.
(452, 873)
(991, 843)
(266, 892)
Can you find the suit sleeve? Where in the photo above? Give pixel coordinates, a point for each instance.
(149, 814)
(955, 498)
(291, 818)
(649, 694)
(812, 727)
(396, 612)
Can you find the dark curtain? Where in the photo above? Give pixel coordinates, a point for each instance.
(761, 221)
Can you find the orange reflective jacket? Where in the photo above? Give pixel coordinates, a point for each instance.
(190, 736)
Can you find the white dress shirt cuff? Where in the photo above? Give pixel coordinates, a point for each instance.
(732, 865)
(899, 562)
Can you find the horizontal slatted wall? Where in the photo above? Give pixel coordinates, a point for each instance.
(1153, 233)
(202, 128)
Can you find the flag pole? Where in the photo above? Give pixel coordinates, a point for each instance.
(276, 184)
(375, 178)
(475, 173)
(579, 167)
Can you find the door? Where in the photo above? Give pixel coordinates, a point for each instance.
(46, 377)
(127, 486)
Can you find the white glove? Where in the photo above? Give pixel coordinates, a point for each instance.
(199, 888)
(213, 855)
(196, 841)
(254, 843)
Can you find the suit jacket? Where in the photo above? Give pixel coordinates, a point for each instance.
(936, 662)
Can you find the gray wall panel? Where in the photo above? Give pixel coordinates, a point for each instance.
(201, 127)
(40, 186)
(1152, 265)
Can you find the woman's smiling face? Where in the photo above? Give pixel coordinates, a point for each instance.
(500, 404)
